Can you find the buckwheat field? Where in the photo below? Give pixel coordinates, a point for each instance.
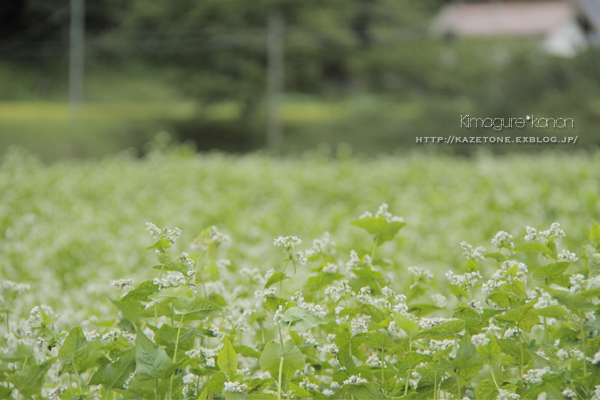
(182, 276)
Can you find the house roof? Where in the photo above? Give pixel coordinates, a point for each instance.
(503, 19)
(591, 9)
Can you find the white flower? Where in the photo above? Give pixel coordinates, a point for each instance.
(532, 234)
(373, 361)
(91, 336)
(510, 332)
(355, 380)
(534, 376)
(576, 282)
(427, 323)
(464, 280)
(337, 291)
(173, 279)
(328, 392)
(16, 287)
(223, 264)
(111, 336)
(354, 260)
(569, 393)
(330, 268)
(596, 358)
(122, 284)
(299, 256)
(308, 385)
(419, 271)
(269, 274)
(553, 232)
(596, 395)
(566, 255)
(506, 395)
(383, 212)
(235, 387)
(364, 295)
(298, 298)
(278, 316)
(439, 300)
(288, 241)
(479, 340)
(503, 238)
(544, 301)
(210, 362)
(128, 381)
(218, 237)
(476, 305)
(360, 324)
(473, 254)
(262, 294)
(187, 261)
(154, 230)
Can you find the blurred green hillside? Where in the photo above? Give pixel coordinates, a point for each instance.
(364, 72)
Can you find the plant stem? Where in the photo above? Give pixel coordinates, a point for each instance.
(458, 381)
(7, 323)
(382, 365)
(280, 378)
(78, 380)
(493, 377)
(175, 354)
(406, 384)
(583, 350)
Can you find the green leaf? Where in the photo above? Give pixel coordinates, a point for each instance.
(171, 294)
(151, 361)
(378, 340)
(447, 330)
(575, 302)
(141, 292)
(467, 359)
(409, 327)
(497, 256)
(197, 306)
(288, 357)
(29, 380)
(595, 235)
(491, 353)
(168, 264)
(300, 319)
(550, 271)
(523, 316)
(486, 390)
(538, 247)
(467, 312)
(275, 278)
(246, 351)
(423, 309)
(167, 336)
(114, 376)
(74, 351)
(384, 231)
(457, 291)
(503, 299)
(347, 362)
(556, 312)
(227, 360)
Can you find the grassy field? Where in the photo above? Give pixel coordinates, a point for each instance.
(74, 231)
(78, 224)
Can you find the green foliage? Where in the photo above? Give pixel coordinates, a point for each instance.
(356, 336)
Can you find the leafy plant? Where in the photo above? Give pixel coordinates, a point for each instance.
(348, 334)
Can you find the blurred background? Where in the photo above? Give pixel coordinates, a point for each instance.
(92, 78)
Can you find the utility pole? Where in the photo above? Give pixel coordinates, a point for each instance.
(76, 58)
(275, 63)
